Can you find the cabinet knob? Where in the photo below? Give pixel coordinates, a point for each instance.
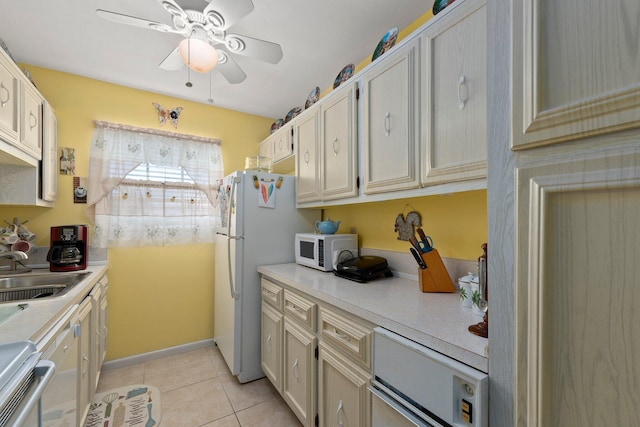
(306, 156)
(335, 146)
(33, 120)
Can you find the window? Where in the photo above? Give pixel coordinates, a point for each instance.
(151, 188)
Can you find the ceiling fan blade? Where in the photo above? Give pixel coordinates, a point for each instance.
(136, 22)
(254, 48)
(222, 14)
(230, 68)
(173, 61)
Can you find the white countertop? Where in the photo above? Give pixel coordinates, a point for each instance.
(41, 314)
(437, 321)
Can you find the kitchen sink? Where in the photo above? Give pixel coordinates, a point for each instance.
(38, 286)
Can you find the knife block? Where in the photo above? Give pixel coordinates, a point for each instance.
(435, 278)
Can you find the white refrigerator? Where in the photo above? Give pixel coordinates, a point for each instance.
(259, 223)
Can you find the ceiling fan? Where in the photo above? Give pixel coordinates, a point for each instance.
(206, 31)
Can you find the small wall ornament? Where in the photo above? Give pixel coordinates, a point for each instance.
(165, 113)
(405, 226)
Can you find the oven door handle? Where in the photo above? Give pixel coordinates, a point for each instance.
(410, 417)
(43, 373)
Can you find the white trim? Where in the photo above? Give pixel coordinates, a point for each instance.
(153, 355)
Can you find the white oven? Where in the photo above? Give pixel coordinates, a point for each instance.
(416, 386)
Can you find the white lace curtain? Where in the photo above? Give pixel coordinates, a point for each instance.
(148, 213)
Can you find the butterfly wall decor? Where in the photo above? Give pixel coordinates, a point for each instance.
(165, 113)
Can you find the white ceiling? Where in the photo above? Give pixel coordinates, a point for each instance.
(318, 39)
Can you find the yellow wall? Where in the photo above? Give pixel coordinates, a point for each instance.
(159, 297)
(458, 223)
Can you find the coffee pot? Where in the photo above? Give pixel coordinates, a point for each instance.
(69, 248)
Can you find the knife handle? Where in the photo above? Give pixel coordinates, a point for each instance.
(423, 237)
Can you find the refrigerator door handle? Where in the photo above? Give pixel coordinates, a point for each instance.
(232, 287)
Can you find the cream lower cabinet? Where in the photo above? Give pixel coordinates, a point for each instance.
(272, 330)
(454, 72)
(300, 371)
(100, 328)
(85, 390)
(322, 364)
(577, 287)
(344, 369)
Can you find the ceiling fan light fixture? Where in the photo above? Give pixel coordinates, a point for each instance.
(199, 55)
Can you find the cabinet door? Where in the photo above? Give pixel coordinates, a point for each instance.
(300, 376)
(577, 299)
(391, 127)
(266, 148)
(85, 385)
(282, 143)
(575, 69)
(455, 102)
(31, 123)
(8, 101)
(339, 145)
(344, 398)
(306, 134)
(272, 326)
(49, 183)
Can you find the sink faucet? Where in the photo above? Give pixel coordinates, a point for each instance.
(15, 257)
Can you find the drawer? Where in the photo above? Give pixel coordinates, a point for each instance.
(346, 335)
(272, 293)
(301, 308)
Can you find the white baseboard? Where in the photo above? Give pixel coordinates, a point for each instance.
(145, 357)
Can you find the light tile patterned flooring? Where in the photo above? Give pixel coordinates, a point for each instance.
(197, 389)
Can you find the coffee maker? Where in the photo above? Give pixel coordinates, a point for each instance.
(69, 248)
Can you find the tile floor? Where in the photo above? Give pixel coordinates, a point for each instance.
(197, 389)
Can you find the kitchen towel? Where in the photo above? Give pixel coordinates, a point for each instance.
(134, 405)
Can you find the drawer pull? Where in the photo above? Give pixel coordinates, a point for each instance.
(339, 414)
(3, 90)
(306, 157)
(298, 309)
(296, 373)
(33, 120)
(335, 146)
(268, 292)
(387, 123)
(342, 336)
(463, 100)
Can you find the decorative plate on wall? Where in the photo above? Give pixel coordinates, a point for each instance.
(386, 43)
(292, 113)
(440, 4)
(313, 97)
(344, 75)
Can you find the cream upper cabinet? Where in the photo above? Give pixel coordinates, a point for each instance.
(9, 105)
(282, 141)
(307, 162)
(454, 104)
(391, 129)
(339, 145)
(574, 81)
(31, 123)
(266, 148)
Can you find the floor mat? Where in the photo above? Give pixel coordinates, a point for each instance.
(134, 405)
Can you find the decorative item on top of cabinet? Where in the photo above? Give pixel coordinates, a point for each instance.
(559, 95)
(454, 103)
(391, 124)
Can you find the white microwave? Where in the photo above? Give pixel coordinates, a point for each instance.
(320, 251)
